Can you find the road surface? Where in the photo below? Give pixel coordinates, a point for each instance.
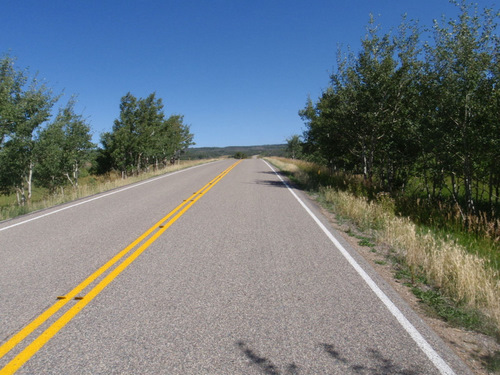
(217, 269)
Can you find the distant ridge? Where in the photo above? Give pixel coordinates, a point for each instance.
(215, 152)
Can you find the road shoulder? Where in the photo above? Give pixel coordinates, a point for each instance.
(471, 347)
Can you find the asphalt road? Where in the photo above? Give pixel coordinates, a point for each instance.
(243, 279)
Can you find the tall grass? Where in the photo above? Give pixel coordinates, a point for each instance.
(88, 186)
(464, 276)
(446, 214)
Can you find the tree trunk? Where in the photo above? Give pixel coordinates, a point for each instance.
(21, 196)
(30, 180)
(497, 194)
(490, 193)
(470, 208)
(70, 180)
(139, 163)
(365, 163)
(76, 172)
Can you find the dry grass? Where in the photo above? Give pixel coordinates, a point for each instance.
(448, 266)
(92, 185)
(464, 277)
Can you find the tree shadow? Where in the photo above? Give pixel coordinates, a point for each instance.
(330, 350)
(275, 183)
(272, 173)
(263, 363)
(379, 365)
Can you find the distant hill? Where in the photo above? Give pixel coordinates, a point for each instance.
(215, 152)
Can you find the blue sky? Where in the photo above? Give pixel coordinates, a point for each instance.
(238, 70)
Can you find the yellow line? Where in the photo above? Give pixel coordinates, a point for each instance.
(41, 340)
(21, 335)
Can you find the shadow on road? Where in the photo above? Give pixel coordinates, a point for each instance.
(379, 365)
(273, 182)
(264, 364)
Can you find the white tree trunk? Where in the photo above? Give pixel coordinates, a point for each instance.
(30, 180)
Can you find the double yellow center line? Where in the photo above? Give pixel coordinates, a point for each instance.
(150, 236)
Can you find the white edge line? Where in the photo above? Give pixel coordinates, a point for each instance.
(435, 358)
(101, 195)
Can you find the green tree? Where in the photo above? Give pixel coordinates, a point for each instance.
(313, 134)
(11, 86)
(364, 122)
(24, 107)
(123, 141)
(400, 109)
(50, 156)
(142, 136)
(63, 147)
(178, 136)
(492, 141)
(294, 146)
(149, 133)
(240, 155)
(77, 141)
(461, 73)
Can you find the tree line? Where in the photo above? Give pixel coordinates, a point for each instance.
(51, 151)
(402, 110)
(142, 137)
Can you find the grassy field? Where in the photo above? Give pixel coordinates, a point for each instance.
(435, 261)
(88, 186)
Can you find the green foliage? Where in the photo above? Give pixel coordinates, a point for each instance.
(294, 147)
(33, 151)
(240, 155)
(401, 111)
(141, 136)
(24, 107)
(366, 242)
(364, 122)
(449, 311)
(54, 154)
(492, 362)
(62, 148)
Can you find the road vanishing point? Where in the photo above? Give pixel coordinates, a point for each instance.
(223, 268)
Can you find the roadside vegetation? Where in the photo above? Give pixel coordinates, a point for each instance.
(89, 185)
(405, 143)
(47, 155)
(459, 283)
(416, 114)
(240, 155)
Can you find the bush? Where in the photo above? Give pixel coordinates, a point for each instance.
(240, 155)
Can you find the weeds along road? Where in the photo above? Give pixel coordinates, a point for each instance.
(218, 269)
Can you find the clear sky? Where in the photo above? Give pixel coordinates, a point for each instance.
(238, 70)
